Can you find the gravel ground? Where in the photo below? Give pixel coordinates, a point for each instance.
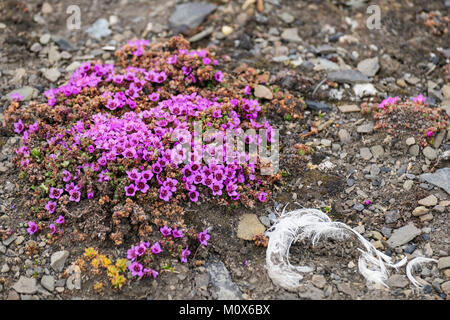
(301, 44)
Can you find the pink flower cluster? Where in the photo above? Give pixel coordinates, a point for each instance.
(390, 101)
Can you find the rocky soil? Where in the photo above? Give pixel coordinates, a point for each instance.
(320, 50)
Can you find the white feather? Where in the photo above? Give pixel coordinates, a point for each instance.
(314, 225)
(414, 264)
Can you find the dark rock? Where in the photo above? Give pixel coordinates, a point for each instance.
(440, 178)
(317, 106)
(347, 76)
(189, 15)
(410, 249)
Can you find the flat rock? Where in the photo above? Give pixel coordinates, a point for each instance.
(430, 153)
(347, 76)
(48, 282)
(440, 178)
(444, 263)
(365, 128)
(291, 35)
(369, 67)
(317, 106)
(26, 285)
(397, 281)
(263, 92)
(25, 92)
(429, 201)
(426, 217)
(410, 141)
(414, 150)
(446, 287)
(222, 283)
(391, 216)
(249, 225)
(420, 211)
(403, 235)
(52, 74)
(190, 15)
(344, 136)
(310, 292)
(58, 259)
(365, 153)
(349, 108)
(377, 151)
(319, 281)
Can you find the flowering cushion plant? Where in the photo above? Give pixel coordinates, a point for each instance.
(129, 132)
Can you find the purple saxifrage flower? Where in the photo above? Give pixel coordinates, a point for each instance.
(50, 206)
(32, 227)
(166, 231)
(156, 248)
(136, 269)
(203, 237)
(60, 220)
(185, 254)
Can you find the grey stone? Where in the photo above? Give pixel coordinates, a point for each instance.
(439, 139)
(286, 17)
(408, 185)
(365, 128)
(410, 141)
(325, 142)
(377, 151)
(291, 35)
(317, 106)
(5, 268)
(319, 281)
(44, 39)
(429, 201)
(58, 259)
(310, 292)
(440, 178)
(189, 15)
(54, 55)
(369, 67)
(344, 136)
(48, 282)
(347, 76)
(414, 150)
(10, 240)
(223, 286)
(25, 92)
(446, 287)
(391, 216)
(35, 47)
(52, 74)
(345, 288)
(265, 221)
(403, 235)
(326, 49)
(430, 153)
(99, 29)
(397, 281)
(444, 263)
(26, 285)
(365, 153)
(358, 207)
